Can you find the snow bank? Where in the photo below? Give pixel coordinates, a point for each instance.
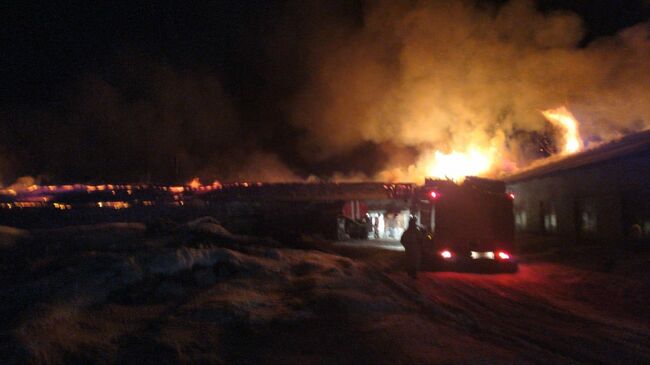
(83, 265)
(211, 230)
(82, 280)
(10, 235)
(208, 225)
(96, 297)
(172, 261)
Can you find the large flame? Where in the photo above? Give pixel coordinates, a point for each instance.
(456, 165)
(564, 119)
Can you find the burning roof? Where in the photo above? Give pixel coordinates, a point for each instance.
(625, 146)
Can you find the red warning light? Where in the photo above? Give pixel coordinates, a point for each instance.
(446, 254)
(434, 195)
(511, 196)
(503, 256)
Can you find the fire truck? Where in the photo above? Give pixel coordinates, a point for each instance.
(468, 225)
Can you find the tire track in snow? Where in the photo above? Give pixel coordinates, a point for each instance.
(524, 320)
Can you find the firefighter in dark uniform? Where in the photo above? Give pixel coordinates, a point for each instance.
(412, 240)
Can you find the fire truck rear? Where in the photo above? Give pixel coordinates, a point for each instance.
(469, 226)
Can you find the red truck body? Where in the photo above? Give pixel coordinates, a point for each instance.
(467, 223)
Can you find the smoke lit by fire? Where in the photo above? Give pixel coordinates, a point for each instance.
(477, 161)
(463, 85)
(487, 159)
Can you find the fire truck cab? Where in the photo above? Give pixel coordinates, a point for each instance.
(468, 226)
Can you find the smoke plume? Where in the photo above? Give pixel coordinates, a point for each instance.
(453, 75)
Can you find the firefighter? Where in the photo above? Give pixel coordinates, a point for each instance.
(412, 239)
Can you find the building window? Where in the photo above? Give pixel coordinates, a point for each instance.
(588, 219)
(588, 222)
(549, 217)
(521, 220)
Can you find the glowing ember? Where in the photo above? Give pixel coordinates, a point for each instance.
(113, 204)
(195, 183)
(62, 206)
(564, 119)
(176, 189)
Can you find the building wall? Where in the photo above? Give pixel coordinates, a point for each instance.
(606, 202)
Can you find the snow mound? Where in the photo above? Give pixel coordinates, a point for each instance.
(10, 235)
(98, 299)
(208, 225)
(81, 280)
(170, 262)
(210, 230)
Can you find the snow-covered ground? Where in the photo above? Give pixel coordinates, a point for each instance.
(198, 294)
(546, 313)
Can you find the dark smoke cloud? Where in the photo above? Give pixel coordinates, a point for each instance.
(146, 121)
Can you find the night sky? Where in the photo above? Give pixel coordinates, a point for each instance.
(129, 92)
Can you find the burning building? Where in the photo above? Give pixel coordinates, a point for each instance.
(600, 196)
(333, 210)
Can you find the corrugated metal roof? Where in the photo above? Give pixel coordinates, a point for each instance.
(625, 146)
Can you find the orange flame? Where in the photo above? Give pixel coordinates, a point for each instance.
(456, 165)
(564, 119)
(176, 189)
(195, 183)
